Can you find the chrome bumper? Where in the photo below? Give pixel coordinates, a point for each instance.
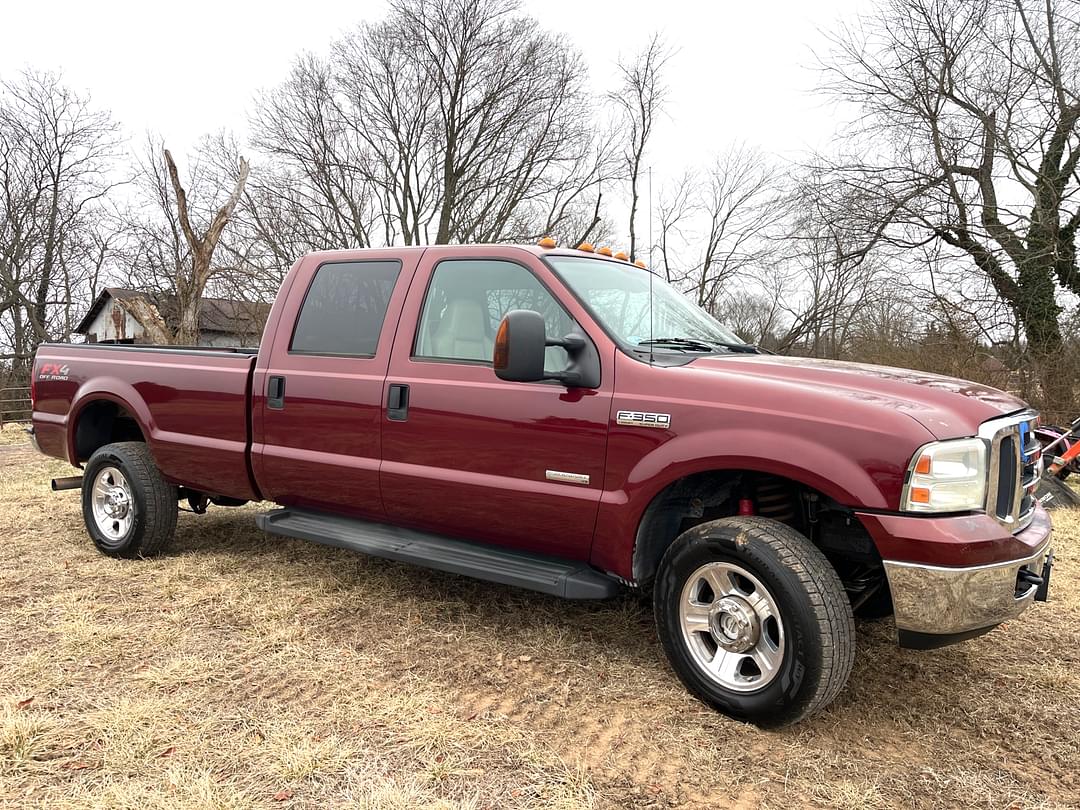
(937, 601)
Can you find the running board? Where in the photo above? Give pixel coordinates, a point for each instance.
(565, 578)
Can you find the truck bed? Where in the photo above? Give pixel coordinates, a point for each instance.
(192, 404)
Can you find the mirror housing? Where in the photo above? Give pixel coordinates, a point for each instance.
(519, 347)
(519, 350)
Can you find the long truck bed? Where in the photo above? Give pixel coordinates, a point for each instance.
(194, 403)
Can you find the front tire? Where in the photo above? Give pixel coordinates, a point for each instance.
(754, 620)
(128, 507)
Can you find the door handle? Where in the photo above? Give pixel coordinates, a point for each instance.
(275, 393)
(397, 402)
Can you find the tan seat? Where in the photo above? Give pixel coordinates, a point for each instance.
(461, 333)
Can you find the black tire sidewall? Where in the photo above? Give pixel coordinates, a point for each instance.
(784, 696)
(131, 545)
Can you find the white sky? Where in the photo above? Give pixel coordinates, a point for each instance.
(743, 71)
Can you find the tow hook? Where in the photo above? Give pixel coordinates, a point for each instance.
(1043, 593)
(1026, 578)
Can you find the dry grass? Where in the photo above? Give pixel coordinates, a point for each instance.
(241, 671)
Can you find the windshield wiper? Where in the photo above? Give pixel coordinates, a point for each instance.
(693, 344)
(748, 348)
(679, 343)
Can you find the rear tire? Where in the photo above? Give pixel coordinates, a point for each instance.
(128, 507)
(754, 620)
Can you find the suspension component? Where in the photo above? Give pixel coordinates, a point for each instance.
(775, 500)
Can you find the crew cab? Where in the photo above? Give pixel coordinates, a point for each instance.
(566, 421)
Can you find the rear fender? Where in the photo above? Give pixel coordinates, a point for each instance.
(111, 389)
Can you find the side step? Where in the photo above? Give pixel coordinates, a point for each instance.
(565, 578)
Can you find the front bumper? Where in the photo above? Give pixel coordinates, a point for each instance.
(936, 605)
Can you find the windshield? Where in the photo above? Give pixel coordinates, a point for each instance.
(618, 296)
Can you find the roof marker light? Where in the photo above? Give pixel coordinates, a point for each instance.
(621, 256)
(604, 251)
(641, 264)
(585, 247)
(546, 242)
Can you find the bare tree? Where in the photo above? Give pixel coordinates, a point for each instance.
(173, 230)
(191, 280)
(319, 187)
(447, 121)
(968, 134)
(55, 153)
(717, 228)
(640, 99)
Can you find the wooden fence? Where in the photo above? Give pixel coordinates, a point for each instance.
(14, 405)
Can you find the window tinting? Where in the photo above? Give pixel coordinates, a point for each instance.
(467, 299)
(344, 308)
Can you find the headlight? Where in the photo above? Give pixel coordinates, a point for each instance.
(947, 476)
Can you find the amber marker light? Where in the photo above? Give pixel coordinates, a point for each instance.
(922, 466)
(641, 264)
(604, 251)
(621, 256)
(501, 358)
(585, 247)
(546, 242)
(920, 495)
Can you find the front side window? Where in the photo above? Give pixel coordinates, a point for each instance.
(344, 308)
(467, 299)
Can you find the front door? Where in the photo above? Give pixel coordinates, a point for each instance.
(467, 454)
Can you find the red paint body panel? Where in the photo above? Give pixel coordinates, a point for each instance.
(192, 407)
(323, 449)
(473, 458)
(962, 541)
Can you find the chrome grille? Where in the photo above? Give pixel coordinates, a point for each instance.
(1015, 467)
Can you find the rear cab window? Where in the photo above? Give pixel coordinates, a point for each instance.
(344, 309)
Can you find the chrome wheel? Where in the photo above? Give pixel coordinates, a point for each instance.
(112, 503)
(732, 626)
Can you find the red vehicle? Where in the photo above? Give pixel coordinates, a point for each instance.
(563, 421)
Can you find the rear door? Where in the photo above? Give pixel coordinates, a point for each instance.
(464, 453)
(318, 399)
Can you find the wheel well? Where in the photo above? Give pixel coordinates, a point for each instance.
(103, 422)
(705, 496)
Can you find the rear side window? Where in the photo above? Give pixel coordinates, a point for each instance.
(344, 308)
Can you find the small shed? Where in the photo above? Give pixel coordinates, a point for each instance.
(117, 314)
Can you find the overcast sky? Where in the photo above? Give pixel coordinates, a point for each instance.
(743, 71)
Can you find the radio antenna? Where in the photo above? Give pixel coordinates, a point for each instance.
(650, 272)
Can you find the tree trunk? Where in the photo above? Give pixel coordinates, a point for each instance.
(1039, 313)
(191, 285)
(189, 306)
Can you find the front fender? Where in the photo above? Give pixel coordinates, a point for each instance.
(851, 475)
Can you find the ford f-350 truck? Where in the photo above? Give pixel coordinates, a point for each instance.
(565, 421)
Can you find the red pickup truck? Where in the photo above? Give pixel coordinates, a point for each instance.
(562, 420)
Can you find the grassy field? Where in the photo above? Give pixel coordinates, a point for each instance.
(241, 671)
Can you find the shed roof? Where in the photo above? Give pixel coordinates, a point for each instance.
(216, 315)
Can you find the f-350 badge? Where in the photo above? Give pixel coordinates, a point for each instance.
(642, 419)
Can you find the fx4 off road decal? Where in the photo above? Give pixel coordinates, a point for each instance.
(53, 371)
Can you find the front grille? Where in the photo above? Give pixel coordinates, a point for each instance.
(1015, 466)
